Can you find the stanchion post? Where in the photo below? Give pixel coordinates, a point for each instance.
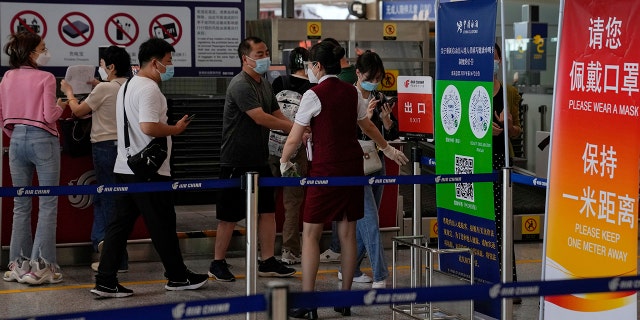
(394, 280)
(507, 240)
(251, 189)
(277, 300)
(416, 262)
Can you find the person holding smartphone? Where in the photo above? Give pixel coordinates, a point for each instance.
(370, 71)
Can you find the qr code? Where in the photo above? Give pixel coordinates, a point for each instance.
(464, 165)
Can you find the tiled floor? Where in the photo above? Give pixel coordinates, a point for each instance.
(146, 279)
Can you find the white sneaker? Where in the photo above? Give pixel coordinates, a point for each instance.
(382, 284)
(329, 256)
(42, 273)
(363, 278)
(289, 257)
(17, 271)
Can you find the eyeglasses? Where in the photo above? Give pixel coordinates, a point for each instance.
(42, 51)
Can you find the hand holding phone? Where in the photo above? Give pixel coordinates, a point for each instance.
(391, 101)
(191, 117)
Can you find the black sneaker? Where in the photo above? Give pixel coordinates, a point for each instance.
(274, 268)
(194, 281)
(219, 270)
(116, 291)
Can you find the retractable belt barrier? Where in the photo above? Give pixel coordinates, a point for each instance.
(266, 182)
(258, 303)
(515, 177)
(236, 183)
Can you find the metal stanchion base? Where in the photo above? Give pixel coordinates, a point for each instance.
(426, 311)
(421, 311)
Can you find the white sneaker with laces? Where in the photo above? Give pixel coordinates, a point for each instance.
(363, 278)
(42, 273)
(329, 256)
(382, 284)
(17, 271)
(289, 257)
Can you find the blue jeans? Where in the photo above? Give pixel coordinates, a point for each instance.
(104, 158)
(368, 230)
(34, 150)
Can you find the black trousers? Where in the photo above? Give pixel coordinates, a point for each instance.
(159, 216)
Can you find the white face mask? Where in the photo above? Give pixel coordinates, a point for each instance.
(103, 74)
(311, 75)
(43, 58)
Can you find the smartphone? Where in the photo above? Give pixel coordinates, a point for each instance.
(189, 118)
(391, 101)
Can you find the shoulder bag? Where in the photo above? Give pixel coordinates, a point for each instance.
(371, 160)
(76, 136)
(146, 163)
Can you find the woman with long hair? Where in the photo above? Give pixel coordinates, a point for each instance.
(30, 122)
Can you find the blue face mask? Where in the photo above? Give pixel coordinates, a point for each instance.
(368, 86)
(496, 66)
(168, 74)
(262, 65)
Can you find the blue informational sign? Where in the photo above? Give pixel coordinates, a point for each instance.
(465, 39)
(463, 54)
(408, 10)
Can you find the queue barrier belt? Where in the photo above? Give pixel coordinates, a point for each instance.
(184, 185)
(258, 303)
(515, 177)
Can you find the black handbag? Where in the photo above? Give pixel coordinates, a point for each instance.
(76, 136)
(146, 163)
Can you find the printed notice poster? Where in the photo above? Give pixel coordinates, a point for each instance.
(205, 34)
(592, 212)
(463, 121)
(415, 106)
